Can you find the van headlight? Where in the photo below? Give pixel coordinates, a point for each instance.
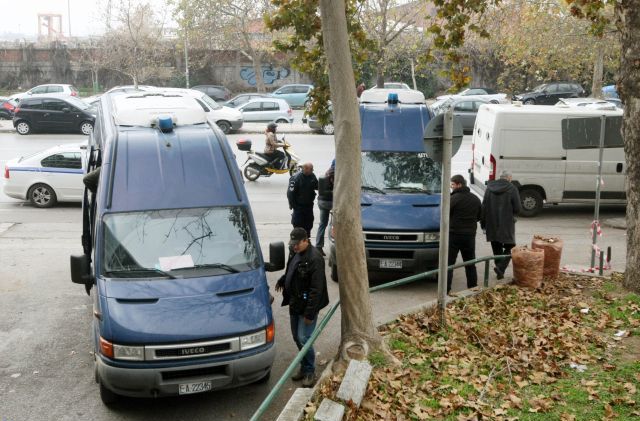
(431, 237)
(253, 340)
(131, 353)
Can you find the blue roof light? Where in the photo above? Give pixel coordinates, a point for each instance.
(165, 124)
(392, 98)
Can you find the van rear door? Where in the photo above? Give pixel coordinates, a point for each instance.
(482, 145)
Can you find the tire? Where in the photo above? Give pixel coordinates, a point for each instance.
(86, 127)
(328, 129)
(334, 273)
(530, 102)
(42, 196)
(251, 172)
(282, 121)
(224, 126)
(23, 127)
(531, 202)
(107, 396)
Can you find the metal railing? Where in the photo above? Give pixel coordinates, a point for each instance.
(325, 320)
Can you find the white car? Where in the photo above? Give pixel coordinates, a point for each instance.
(487, 94)
(47, 177)
(227, 118)
(48, 89)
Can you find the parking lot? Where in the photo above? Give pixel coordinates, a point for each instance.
(46, 365)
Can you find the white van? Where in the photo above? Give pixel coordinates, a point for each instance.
(528, 141)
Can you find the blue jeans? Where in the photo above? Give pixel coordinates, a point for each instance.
(324, 221)
(301, 333)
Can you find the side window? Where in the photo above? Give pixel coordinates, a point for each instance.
(477, 104)
(466, 106)
(53, 89)
(32, 105)
(39, 90)
(286, 90)
(54, 105)
(584, 133)
(476, 92)
(63, 160)
(565, 88)
(270, 106)
(254, 106)
(300, 89)
(552, 88)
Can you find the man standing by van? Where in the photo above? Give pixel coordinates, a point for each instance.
(325, 204)
(304, 290)
(500, 206)
(464, 216)
(301, 195)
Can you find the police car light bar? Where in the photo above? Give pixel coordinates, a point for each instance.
(382, 96)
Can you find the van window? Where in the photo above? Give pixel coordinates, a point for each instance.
(210, 102)
(411, 172)
(584, 133)
(200, 242)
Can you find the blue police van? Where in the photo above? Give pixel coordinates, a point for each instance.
(171, 254)
(401, 185)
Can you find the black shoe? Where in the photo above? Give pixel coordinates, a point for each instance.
(298, 376)
(499, 273)
(321, 251)
(309, 380)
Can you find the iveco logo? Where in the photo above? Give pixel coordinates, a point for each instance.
(192, 351)
(391, 237)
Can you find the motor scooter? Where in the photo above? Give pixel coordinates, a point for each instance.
(258, 164)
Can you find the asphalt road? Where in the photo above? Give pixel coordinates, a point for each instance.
(46, 365)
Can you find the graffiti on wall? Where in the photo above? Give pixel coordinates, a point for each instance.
(269, 74)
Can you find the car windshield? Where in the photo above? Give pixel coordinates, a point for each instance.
(210, 102)
(78, 103)
(540, 88)
(178, 243)
(410, 172)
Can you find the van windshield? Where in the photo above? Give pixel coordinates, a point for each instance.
(178, 243)
(408, 172)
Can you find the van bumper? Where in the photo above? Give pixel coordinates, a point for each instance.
(422, 259)
(165, 381)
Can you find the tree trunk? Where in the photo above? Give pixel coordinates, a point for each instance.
(359, 336)
(628, 21)
(598, 66)
(257, 68)
(380, 73)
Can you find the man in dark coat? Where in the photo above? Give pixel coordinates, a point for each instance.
(301, 195)
(464, 216)
(304, 290)
(500, 206)
(325, 204)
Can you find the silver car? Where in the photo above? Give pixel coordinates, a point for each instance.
(267, 109)
(464, 108)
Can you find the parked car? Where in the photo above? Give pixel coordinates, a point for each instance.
(51, 88)
(296, 95)
(47, 177)
(240, 99)
(7, 108)
(550, 93)
(610, 91)
(587, 103)
(491, 95)
(267, 109)
(216, 92)
(53, 114)
(396, 85)
(228, 119)
(464, 108)
(315, 124)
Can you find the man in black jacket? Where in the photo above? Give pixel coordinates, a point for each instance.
(500, 206)
(464, 216)
(304, 290)
(301, 195)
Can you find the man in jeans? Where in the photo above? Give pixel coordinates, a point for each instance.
(464, 216)
(304, 290)
(301, 194)
(325, 203)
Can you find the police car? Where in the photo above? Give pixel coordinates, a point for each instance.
(47, 177)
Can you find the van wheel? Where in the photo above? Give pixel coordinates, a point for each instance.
(251, 172)
(86, 127)
(23, 127)
(334, 273)
(531, 201)
(224, 126)
(107, 396)
(42, 196)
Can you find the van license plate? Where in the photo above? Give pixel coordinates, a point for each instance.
(390, 264)
(189, 388)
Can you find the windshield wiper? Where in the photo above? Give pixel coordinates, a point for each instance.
(373, 188)
(141, 270)
(228, 268)
(411, 189)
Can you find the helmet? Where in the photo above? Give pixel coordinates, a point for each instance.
(272, 127)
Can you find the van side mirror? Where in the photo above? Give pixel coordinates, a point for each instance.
(81, 270)
(324, 186)
(276, 257)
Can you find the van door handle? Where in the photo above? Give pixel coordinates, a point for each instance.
(619, 167)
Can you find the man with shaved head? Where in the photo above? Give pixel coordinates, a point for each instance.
(301, 194)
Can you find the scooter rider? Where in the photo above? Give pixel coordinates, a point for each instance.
(271, 146)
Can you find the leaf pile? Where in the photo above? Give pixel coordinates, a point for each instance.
(511, 353)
